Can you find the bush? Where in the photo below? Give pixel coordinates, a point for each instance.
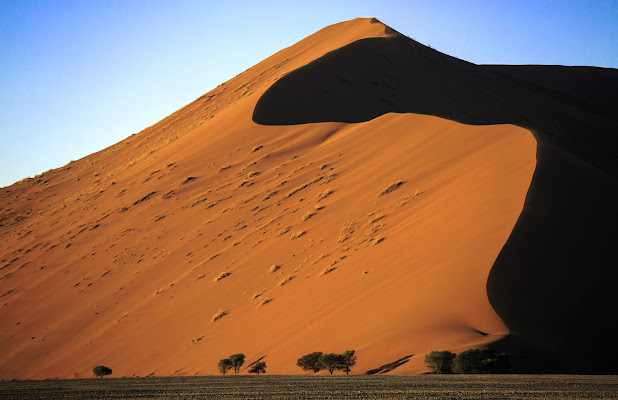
(101, 371)
(311, 362)
(481, 361)
(440, 362)
(237, 361)
(258, 368)
(224, 365)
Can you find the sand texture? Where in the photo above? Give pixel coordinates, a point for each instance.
(306, 205)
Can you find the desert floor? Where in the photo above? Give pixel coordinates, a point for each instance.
(322, 387)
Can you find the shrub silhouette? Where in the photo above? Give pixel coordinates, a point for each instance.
(331, 362)
(481, 361)
(440, 362)
(347, 361)
(237, 361)
(311, 362)
(258, 368)
(101, 371)
(224, 365)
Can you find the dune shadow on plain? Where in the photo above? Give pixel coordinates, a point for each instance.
(390, 366)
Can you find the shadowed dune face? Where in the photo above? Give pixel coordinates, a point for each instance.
(591, 88)
(378, 75)
(553, 282)
(375, 76)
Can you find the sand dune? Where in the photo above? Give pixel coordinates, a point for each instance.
(383, 226)
(559, 259)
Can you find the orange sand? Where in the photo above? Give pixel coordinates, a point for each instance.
(90, 275)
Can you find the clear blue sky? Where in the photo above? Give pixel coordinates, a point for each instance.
(78, 76)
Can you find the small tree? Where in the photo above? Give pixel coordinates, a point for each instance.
(440, 362)
(224, 365)
(258, 368)
(237, 361)
(481, 361)
(311, 362)
(331, 362)
(347, 361)
(101, 371)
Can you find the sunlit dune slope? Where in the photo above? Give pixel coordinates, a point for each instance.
(377, 236)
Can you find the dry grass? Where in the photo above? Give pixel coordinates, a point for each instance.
(220, 314)
(252, 174)
(406, 199)
(376, 227)
(285, 280)
(256, 295)
(308, 215)
(265, 300)
(273, 268)
(324, 194)
(318, 207)
(302, 187)
(328, 269)
(189, 179)
(345, 234)
(297, 234)
(221, 276)
(26, 179)
(392, 187)
(377, 240)
(376, 219)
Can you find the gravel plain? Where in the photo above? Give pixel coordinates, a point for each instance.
(320, 387)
